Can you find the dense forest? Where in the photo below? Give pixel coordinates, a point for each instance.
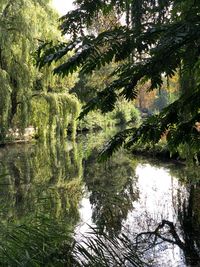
(95, 96)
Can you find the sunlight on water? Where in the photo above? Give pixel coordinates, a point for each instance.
(158, 192)
(158, 200)
(66, 183)
(83, 227)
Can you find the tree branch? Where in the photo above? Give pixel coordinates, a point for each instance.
(156, 233)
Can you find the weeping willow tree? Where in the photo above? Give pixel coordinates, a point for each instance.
(25, 92)
(54, 114)
(158, 38)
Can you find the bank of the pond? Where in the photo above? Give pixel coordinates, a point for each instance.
(163, 155)
(122, 198)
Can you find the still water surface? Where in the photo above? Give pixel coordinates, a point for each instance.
(126, 195)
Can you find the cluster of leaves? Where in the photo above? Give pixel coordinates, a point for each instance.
(21, 32)
(37, 242)
(159, 37)
(42, 242)
(178, 132)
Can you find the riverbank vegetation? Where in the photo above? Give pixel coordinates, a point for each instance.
(158, 41)
(36, 103)
(133, 64)
(30, 97)
(114, 70)
(47, 194)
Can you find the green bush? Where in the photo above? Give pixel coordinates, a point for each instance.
(125, 113)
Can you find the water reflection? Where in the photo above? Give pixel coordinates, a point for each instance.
(189, 216)
(156, 206)
(112, 189)
(155, 201)
(38, 179)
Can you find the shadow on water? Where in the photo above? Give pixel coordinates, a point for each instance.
(189, 216)
(141, 213)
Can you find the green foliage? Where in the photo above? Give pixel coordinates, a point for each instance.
(37, 242)
(159, 37)
(5, 103)
(115, 143)
(100, 250)
(42, 242)
(125, 113)
(52, 113)
(154, 127)
(21, 32)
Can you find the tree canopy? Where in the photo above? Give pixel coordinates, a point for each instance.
(29, 96)
(157, 39)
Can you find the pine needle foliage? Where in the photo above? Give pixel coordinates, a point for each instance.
(159, 38)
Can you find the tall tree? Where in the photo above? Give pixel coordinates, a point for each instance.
(22, 25)
(159, 37)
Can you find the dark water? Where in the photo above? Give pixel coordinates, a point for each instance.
(128, 195)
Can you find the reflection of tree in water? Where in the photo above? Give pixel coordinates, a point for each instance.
(41, 179)
(189, 217)
(159, 237)
(112, 188)
(185, 234)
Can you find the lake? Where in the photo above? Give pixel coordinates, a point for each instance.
(155, 205)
